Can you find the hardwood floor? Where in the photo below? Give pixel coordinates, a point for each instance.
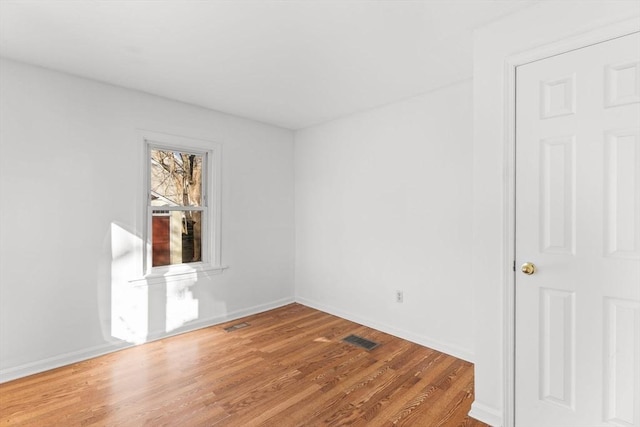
(289, 367)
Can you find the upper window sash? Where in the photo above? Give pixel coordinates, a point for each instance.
(161, 156)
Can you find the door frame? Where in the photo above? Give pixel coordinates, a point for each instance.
(574, 42)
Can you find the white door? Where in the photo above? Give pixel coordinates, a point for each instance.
(578, 221)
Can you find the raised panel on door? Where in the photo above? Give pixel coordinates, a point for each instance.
(622, 361)
(622, 205)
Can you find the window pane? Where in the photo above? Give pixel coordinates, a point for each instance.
(176, 237)
(176, 178)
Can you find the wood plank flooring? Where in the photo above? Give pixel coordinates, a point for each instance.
(289, 367)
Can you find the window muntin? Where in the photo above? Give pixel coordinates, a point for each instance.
(177, 205)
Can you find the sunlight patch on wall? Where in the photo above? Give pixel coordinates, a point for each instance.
(182, 307)
(129, 304)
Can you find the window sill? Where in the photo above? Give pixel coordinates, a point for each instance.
(163, 275)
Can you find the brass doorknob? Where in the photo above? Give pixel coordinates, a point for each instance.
(528, 268)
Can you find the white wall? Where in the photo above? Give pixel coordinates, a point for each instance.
(547, 22)
(70, 190)
(383, 203)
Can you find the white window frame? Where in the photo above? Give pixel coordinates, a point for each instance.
(211, 193)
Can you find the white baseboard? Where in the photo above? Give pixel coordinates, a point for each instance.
(38, 366)
(486, 414)
(409, 336)
(49, 363)
(212, 321)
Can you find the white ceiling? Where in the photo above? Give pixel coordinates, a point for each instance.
(288, 63)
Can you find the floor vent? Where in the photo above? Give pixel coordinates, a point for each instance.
(236, 327)
(361, 342)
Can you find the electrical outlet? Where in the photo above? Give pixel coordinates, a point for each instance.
(399, 296)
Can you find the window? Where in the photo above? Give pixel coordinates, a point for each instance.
(177, 204)
(182, 205)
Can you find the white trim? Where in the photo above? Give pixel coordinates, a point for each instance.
(216, 320)
(486, 414)
(450, 349)
(92, 352)
(565, 45)
(65, 359)
(193, 271)
(212, 194)
(167, 208)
